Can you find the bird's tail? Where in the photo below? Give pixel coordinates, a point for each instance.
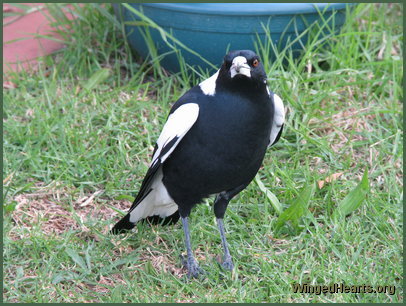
(156, 207)
(125, 224)
(153, 203)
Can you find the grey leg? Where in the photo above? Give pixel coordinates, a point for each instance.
(227, 261)
(220, 206)
(190, 262)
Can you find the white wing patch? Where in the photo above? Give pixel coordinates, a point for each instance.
(177, 125)
(209, 86)
(278, 118)
(157, 202)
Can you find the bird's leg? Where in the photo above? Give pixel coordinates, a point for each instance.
(227, 261)
(220, 206)
(190, 262)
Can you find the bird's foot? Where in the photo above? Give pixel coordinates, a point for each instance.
(227, 263)
(192, 267)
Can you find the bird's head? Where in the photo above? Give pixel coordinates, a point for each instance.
(242, 66)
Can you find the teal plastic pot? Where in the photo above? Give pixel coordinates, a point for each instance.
(210, 29)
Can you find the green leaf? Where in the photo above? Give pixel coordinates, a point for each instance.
(76, 258)
(298, 209)
(354, 198)
(271, 197)
(63, 276)
(125, 197)
(97, 78)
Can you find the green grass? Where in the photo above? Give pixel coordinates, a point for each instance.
(86, 122)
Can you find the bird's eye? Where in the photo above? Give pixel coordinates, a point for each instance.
(255, 63)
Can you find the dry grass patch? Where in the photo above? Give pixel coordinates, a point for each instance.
(341, 125)
(50, 211)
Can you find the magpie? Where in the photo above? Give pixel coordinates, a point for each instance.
(212, 144)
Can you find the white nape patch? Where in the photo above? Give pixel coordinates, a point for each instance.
(177, 125)
(209, 86)
(157, 202)
(278, 118)
(240, 66)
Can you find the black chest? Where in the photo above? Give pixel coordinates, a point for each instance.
(224, 148)
(234, 126)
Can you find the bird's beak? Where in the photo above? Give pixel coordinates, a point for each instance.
(240, 66)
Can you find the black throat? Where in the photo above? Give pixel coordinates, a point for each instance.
(241, 84)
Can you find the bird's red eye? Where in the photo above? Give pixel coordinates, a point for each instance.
(255, 63)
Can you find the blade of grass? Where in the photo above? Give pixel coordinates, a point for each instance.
(77, 259)
(271, 197)
(298, 209)
(97, 78)
(125, 197)
(354, 199)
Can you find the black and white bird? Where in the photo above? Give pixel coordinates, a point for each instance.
(213, 143)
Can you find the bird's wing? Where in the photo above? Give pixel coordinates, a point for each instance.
(177, 125)
(278, 119)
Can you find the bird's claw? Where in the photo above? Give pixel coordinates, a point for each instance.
(227, 263)
(192, 267)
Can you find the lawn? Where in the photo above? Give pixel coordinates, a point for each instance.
(79, 133)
